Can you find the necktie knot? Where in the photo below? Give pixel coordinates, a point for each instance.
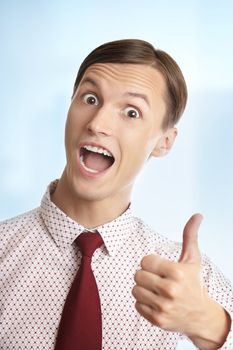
(88, 242)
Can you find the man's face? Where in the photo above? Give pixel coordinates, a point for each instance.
(114, 125)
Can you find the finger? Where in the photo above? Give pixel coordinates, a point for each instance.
(160, 266)
(148, 281)
(145, 311)
(152, 315)
(146, 297)
(190, 251)
(154, 283)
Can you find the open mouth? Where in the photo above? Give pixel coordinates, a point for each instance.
(95, 159)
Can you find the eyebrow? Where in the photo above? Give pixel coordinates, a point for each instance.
(138, 95)
(89, 80)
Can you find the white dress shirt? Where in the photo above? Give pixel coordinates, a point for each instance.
(39, 261)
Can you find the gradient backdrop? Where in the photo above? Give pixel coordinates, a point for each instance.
(42, 46)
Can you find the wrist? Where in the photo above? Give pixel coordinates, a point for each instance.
(212, 328)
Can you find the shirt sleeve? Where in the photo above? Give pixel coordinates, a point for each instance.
(220, 290)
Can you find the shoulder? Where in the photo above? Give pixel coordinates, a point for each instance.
(16, 229)
(19, 221)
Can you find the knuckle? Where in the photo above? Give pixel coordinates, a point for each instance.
(154, 305)
(167, 307)
(147, 261)
(159, 320)
(138, 307)
(135, 291)
(138, 276)
(172, 290)
(144, 262)
(178, 273)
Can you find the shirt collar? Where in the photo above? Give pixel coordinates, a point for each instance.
(65, 230)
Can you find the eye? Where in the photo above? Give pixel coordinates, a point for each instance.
(90, 99)
(131, 112)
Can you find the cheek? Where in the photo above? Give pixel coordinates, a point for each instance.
(71, 137)
(135, 156)
(140, 145)
(68, 130)
(73, 125)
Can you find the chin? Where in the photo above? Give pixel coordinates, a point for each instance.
(88, 192)
(92, 196)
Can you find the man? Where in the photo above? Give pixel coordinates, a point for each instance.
(127, 100)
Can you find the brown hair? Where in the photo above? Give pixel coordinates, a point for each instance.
(141, 52)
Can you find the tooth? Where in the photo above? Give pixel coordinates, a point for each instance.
(97, 150)
(87, 147)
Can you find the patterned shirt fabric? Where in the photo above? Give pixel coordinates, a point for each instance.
(39, 260)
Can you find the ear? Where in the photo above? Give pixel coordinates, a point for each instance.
(165, 143)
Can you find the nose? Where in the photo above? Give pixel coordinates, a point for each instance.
(101, 122)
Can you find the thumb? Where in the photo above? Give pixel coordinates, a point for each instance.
(190, 251)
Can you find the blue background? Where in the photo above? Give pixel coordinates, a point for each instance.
(42, 46)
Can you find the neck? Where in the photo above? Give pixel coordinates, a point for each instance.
(89, 213)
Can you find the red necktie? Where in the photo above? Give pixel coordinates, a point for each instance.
(81, 326)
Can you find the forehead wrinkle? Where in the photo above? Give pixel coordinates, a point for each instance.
(118, 73)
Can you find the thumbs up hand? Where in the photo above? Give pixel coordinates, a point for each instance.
(171, 295)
